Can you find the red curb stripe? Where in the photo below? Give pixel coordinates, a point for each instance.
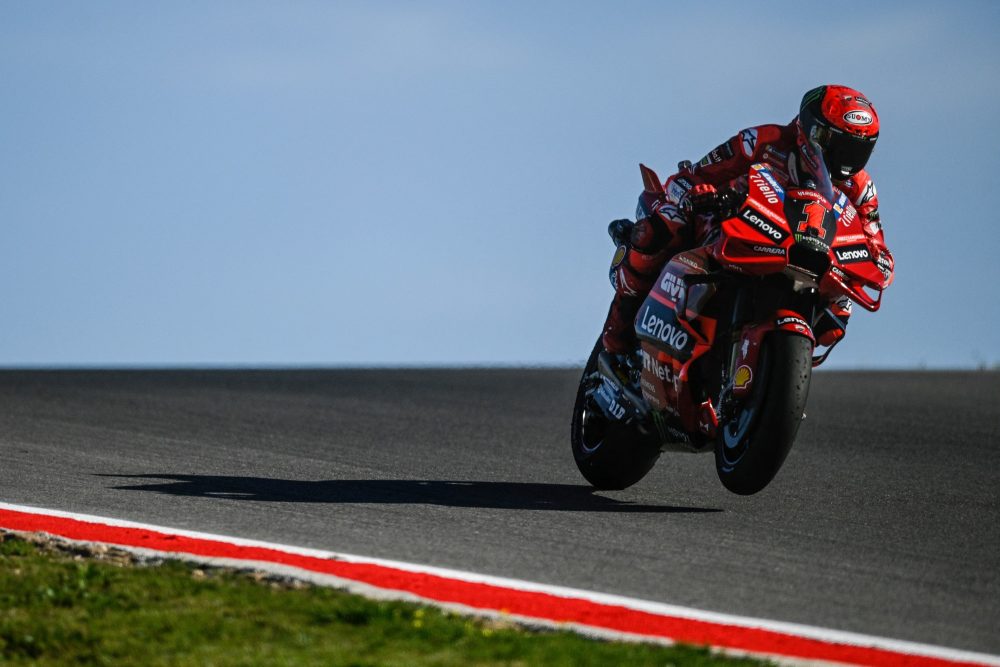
(484, 596)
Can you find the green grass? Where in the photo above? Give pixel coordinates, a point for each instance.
(57, 608)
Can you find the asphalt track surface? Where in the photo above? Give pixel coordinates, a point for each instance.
(884, 520)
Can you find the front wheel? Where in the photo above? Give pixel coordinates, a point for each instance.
(609, 454)
(753, 444)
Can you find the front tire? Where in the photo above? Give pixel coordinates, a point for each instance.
(753, 445)
(610, 455)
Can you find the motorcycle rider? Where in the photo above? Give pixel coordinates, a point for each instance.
(839, 119)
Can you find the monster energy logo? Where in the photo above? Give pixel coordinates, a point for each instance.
(660, 421)
(668, 434)
(813, 95)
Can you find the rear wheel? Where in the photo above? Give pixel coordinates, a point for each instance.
(753, 444)
(609, 454)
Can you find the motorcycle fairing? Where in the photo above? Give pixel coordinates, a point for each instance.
(653, 203)
(854, 269)
(669, 344)
(758, 240)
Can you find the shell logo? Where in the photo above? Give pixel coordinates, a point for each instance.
(743, 377)
(619, 256)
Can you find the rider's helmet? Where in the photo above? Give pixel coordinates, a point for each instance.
(843, 123)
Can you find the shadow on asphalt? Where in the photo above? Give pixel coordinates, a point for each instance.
(496, 495)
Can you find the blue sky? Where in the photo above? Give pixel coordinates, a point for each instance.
(429, 183)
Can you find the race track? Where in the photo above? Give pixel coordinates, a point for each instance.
(885, 519)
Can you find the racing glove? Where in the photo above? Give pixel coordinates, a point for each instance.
(832, 323)
(701, 199)
(705, 199)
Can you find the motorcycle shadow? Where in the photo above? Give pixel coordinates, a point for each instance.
(467, 494)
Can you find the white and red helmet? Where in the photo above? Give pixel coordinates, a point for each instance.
(843, 123)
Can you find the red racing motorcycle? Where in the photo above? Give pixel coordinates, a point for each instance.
(725, 338)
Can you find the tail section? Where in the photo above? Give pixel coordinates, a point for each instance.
(650, 181)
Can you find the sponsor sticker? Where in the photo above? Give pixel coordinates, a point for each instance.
(841, 202)
(669, 333)
(765, 184)
(797, 322)
(884, 265)
(805, 194)
(658, 370)
(765, 227)
(684, 258)
(619, 257)
(859, 118)
(743, 377)
(849, 214)
(720, 153)
(774, 156)
(768, 250)
(677, 188)
(672, 286)
(766, 173)
(852, 254)
(615, 409)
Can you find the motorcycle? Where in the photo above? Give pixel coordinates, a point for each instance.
(725, 337)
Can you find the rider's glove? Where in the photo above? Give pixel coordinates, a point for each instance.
(620, 231)
(701, 199)
(705, 199)
(832, 322)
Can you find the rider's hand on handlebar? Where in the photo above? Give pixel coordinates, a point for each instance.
(729, 202)
(700, 199)
(705, 199)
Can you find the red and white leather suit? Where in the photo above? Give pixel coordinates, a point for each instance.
(654, 242)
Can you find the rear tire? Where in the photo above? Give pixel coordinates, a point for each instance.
(753, 445)
(610, 455)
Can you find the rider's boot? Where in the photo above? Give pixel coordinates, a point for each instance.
(831, 326)
(619, 328)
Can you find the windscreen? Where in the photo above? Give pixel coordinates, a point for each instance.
(814, 170)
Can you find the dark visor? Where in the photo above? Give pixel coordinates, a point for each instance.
(846, 155)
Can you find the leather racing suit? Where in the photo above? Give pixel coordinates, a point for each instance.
(652, 242)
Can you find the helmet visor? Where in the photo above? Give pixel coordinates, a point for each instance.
(846, 154)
